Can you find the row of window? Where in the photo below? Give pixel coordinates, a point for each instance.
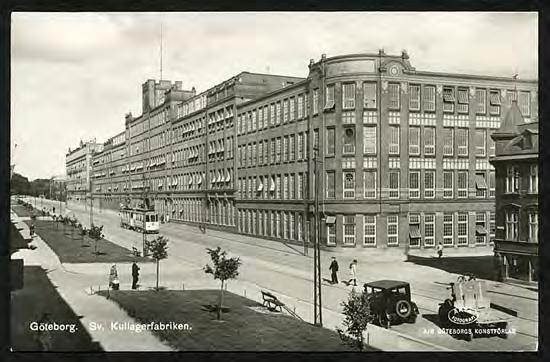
(513, 179)
(286, 225)
(190, 106)
(274, 114)
(275, 187)
(422, 229)
(423, 97)
(511, 228)
(276, 150)
(418, 185)
(415, 146)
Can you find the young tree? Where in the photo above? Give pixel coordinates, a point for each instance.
(96, 233)
(158, 249)
(223, 269)
(358, 314)
(82, 232)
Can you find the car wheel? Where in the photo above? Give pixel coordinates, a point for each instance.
(403, 308)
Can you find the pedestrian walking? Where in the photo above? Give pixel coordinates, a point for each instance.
(439, 249)
(113, 278)
(43, 336)
(32, 230)
(135, 275)
(353, 272)
(334, 270)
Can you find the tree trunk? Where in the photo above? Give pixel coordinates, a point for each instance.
(220, 302)
(157, 275)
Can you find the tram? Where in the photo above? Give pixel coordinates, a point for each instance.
(138, 219)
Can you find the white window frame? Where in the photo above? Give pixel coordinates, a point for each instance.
(462, 107)
(448, 150)
(369, 193)
(462, 225)
(481, 193)
(369, 131)
(349, 225)
(524, 103)
(429, 98)
(481, 149)
(414, 219)
(414, 191)
(429, 240)
(393, 237)
(348, 100)
(449, 107)
(481, 220)
(394, 143)
(393, 192)
(329, 97)
(462, 149)
(512, 180)
(448, 240)
(414, 141)
(481, 101)
(369, 224)
(394, 96)
(348, 193)
(370, 103)
(348, 148)
(429, 192)
(414, 97)
(511, 224)
(429, 142)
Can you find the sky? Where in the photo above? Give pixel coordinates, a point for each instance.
(74, 76)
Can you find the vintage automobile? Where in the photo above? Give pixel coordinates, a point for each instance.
(390, 302)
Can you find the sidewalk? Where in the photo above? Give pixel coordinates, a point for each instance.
(93, 308)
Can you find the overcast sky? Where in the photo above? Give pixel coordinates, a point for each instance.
(75, 75)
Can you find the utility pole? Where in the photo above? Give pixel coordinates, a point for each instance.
(91, 203)
(145, 194)
(318, 309)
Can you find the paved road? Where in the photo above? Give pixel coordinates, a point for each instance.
(284, 270)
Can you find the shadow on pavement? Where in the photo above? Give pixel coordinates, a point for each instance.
(480, 266)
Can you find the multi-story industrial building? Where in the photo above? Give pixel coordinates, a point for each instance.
(78, 166)
(517, 207)
(402, 155)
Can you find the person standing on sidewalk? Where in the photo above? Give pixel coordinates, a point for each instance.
(113, 278)
(334, 270)
(135, 275)
(439, 249)
(353, 272)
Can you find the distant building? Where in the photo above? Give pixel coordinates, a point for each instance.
(517, 206)
(78, 165)
(403, 154)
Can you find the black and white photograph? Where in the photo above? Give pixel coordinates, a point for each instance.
(337, 181)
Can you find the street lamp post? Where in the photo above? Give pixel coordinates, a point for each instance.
(318, 313)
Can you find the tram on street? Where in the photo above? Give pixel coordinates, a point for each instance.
(138, 219)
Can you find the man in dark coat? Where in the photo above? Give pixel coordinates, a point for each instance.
(135, 275)
(334, 270)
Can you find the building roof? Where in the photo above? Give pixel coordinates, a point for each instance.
(512, 120)
(387, 284)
